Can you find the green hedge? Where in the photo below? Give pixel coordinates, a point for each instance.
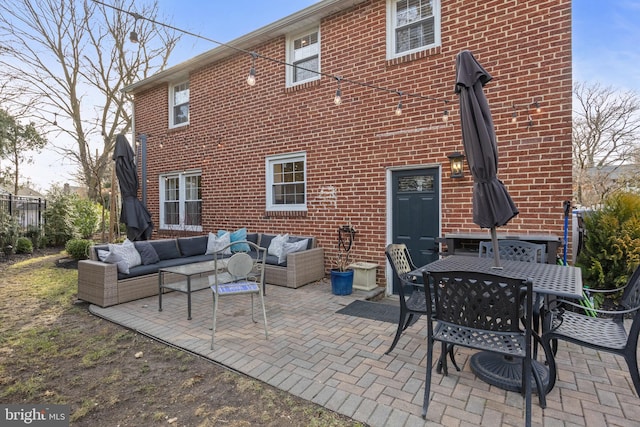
(78, 248)
(611, 250)
(24, 246)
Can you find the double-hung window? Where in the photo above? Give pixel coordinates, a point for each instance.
(303, 53)
(412, 26)
(179, 104)
(286, 182)
(181, 201)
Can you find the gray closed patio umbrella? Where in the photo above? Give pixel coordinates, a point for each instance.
(492, 205)
(133, 213)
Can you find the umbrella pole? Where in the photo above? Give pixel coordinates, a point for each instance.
(496, 252)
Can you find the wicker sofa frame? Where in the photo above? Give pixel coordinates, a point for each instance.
(98, 282)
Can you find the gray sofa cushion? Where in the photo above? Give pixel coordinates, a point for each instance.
(266, 239)
(190, 246)
(166, 249)
(273, 260)
(142, 270)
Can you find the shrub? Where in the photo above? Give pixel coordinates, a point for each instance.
(34, 233)
(24, 246)
(9, 232)
(612, 242)
(86, 217)
(78, 248)
(58, 218)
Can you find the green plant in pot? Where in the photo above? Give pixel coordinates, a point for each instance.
(342, 275)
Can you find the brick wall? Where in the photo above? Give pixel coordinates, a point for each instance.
(525, 46)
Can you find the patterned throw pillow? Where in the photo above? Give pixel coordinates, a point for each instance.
(128, 252)
(113, 258)
(217, 243)
(102, 255)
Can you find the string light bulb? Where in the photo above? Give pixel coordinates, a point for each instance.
(338, 98)
(514, 115)
(399, 107)
(251, 78)
(445, 115)
(55, 119)
(537, 105)
(133, 36)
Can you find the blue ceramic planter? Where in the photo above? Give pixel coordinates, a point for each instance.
(342, 282)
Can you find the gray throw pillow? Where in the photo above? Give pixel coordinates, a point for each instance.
(122, 264)
(291, 247)
(147, 253)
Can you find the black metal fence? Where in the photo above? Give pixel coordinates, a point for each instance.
(26, 209)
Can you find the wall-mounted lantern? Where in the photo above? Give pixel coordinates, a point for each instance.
(456, 160)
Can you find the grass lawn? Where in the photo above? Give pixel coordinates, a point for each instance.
(53, 351)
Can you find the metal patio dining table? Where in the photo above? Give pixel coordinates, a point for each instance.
(547, 279)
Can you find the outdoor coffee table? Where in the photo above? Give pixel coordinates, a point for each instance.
(196, 279)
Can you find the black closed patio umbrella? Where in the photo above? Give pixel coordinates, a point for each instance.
(492, 204)
(133, 213)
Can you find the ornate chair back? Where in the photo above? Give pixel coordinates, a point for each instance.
(410, 290)
(515, 250)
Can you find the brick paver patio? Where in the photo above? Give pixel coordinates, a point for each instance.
(338, 361)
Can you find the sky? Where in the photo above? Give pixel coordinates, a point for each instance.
(606, 48)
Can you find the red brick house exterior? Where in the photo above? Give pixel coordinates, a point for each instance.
(350, 149)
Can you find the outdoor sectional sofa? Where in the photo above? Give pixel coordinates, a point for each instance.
(102, 284)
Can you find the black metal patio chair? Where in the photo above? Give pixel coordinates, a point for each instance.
(413, 302)
(604, 332)
(520, 250)
(483, 312)
(410, 291)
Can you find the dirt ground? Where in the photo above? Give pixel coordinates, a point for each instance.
(53, 351)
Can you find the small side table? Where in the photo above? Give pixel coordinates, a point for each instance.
(364, 275)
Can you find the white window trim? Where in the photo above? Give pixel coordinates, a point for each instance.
(283, 158)
(290, 59)
(181, 201)
(172, 88)
(391, 31)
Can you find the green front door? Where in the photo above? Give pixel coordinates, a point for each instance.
(416, 213)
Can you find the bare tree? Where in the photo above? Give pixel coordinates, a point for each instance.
(75, 58)
(606, 128)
